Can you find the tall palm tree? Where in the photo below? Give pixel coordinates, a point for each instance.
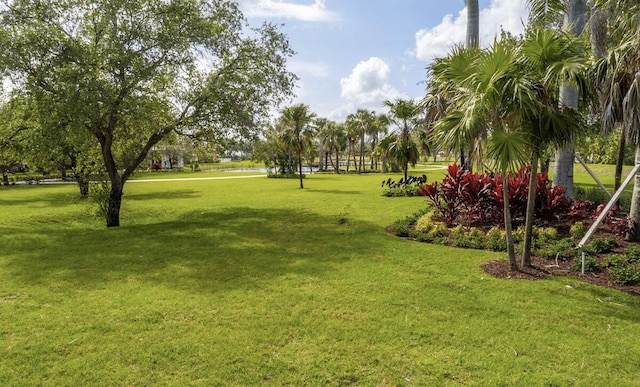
(321, 124)
(296, 117)
(508, 149)
(549, 13)
(335, 140)
(404, 113)
(619, 75)
(351, 132)
(574, 22)
(378, 126)
(549, 60)
(449, 87)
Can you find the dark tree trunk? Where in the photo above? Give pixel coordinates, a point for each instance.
(114, 204)
(83, 184)
(300, 170)
(5, 177)
(544, 166)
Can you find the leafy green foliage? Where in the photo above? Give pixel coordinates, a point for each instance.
(130, 73)
(591, 264)
(601, 245)
(625, 274)
(577, 230)
(404, 187)
(496, 239)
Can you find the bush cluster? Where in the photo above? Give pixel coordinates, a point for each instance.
(473, 199)
(404, 187)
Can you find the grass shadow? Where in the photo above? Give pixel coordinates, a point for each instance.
(202, 251)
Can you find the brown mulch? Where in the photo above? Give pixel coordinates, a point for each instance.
(543, 267)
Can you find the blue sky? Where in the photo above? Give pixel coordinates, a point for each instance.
(356, 53)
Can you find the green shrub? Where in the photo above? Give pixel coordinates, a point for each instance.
(425, 223)
(458, 236)
(549, 234)
(99, 194)
(625, 274)
(564, 248)
(518, 235)
(593, 194)
(633, 253)
(496, 239)
(615, 260)
(439, 234)
(600, 246)
(401, 191)
(591, 264)
(402, 227)
(476, 238)
(577, 230)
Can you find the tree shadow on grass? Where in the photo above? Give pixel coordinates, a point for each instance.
(207, 251)
(173, 194)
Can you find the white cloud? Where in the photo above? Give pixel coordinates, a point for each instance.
(367, 87)
(509, 15)
(316, 12)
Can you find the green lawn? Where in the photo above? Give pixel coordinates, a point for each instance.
(256, 282)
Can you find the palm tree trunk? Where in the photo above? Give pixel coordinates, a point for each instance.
(320, 157)
(473, 23)
(622, 144)
(531, 205)
(361, 166)
(507, 221)
(563, 168)
(300, 169)
(634, 212)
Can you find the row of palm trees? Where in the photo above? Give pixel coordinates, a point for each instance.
(300, 135)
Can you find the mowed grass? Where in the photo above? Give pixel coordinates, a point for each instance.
(253, 281)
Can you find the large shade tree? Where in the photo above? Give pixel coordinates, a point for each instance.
(131, 72)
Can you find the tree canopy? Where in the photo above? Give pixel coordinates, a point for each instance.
(131, 72)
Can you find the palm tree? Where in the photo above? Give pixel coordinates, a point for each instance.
(321, 124)
(335, 140)
(549, 60)
(296, 117)
(404, 113)
(548, 13)
(619, 76)
(507, 148)
(351, 132)
(514, 84)
(378, 126)
(563, 166)
(449, 88)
